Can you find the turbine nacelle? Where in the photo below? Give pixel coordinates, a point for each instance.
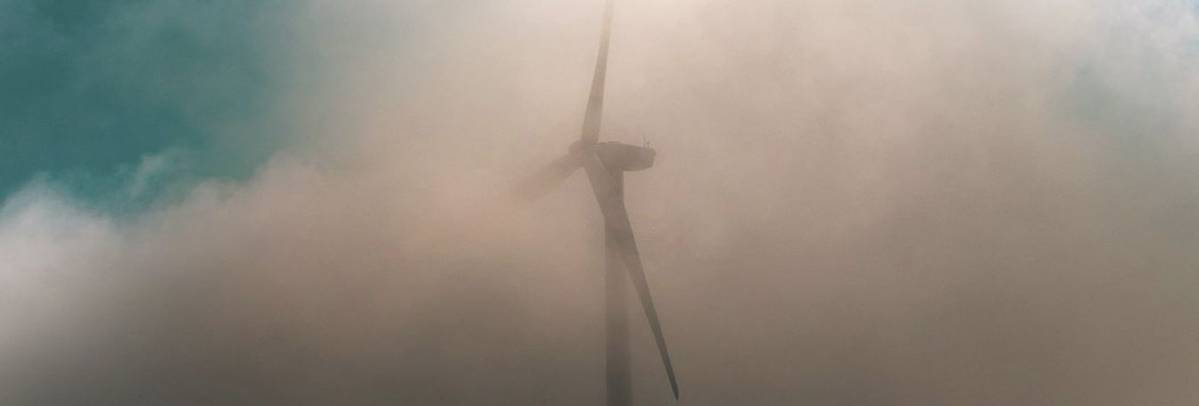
(613, 156)
(617, 156)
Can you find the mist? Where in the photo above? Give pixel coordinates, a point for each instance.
(854, 202)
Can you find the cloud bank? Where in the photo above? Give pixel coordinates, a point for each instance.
(932, 202)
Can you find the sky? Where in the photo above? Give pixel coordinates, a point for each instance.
(857, 202)
(94, 87)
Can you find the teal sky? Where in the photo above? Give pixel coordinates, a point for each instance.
(90, 87)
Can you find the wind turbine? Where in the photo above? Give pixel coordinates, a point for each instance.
(605, 164)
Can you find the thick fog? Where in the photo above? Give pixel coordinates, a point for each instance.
(927, 202)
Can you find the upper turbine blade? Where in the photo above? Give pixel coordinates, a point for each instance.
(595, 103)
(548, 177)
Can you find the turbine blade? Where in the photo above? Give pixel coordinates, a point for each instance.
(621, 233)
(548, 177)
(595, 103)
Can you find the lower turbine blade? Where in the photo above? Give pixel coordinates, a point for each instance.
(622, 235)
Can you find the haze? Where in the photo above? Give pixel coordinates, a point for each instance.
(927, 202)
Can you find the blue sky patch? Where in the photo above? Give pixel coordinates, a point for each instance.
(92, 89)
